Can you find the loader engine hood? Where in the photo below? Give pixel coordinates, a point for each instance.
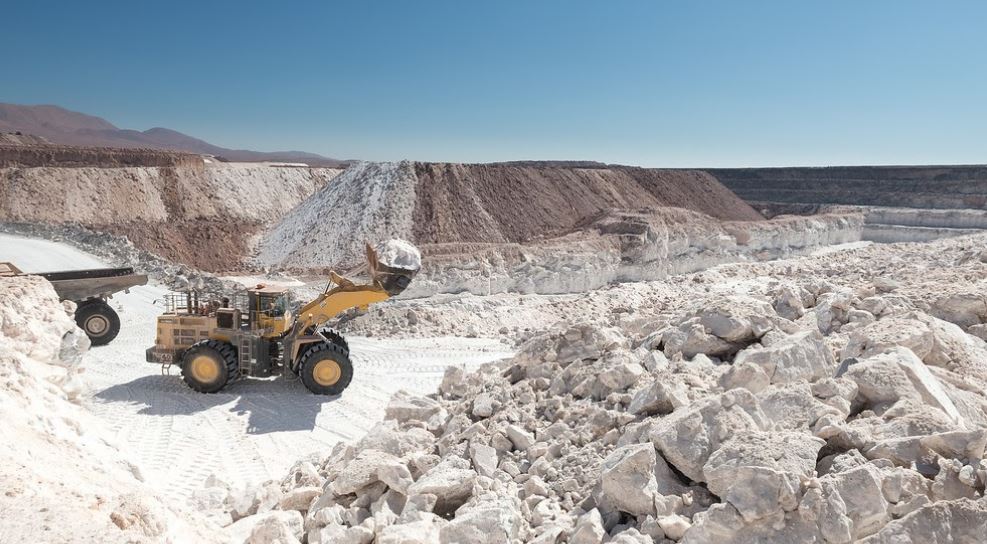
(393, 264)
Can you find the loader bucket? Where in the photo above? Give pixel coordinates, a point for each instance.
(393, 264)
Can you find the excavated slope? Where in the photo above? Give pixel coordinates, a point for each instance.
(896, 186)
(202, 215)
(439, 203)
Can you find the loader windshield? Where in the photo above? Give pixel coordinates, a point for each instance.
(273, 305)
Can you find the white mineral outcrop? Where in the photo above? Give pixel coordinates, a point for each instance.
(626, 247)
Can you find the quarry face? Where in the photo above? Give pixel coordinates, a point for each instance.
(589, 354)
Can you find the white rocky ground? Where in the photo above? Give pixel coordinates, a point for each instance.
(831, 398)
(815, 399)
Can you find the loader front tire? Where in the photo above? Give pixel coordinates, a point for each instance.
(326, 369)
(335, 338)
(209, 365)
(98, 320)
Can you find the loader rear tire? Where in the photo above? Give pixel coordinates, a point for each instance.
(98, 320)
(326, 369)
(209, 365)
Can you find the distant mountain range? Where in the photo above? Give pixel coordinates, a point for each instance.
(61, 126)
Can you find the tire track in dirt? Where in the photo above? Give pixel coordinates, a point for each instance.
(253, 430)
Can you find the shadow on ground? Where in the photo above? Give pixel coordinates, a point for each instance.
(271, 405)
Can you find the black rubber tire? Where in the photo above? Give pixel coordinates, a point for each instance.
(98, 320)
(318, 353)
(334, 337)
(223, 353)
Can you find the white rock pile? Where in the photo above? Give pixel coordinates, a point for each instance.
(63, 478)
(814, 415)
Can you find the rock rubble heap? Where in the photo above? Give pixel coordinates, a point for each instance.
(814, 414)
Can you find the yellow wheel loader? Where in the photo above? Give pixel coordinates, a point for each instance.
(255, 334)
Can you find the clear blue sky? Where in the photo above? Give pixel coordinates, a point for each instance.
(639, 82)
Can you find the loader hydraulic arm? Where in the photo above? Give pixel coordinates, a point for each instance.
(335, 300)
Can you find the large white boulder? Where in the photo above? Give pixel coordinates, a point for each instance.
(627, 479)
(491, 520)
(759, 472)
(687, 437)
(361, 471)
(398, 253)
(961, 521)
(451, 481)
(896, 374)
(405, 407)
(421, 531)
(860, 490)
(258, 528)
(792, 406)
(964, 309)
(660, 396)
(800, 356)
(589, 529)
(719, 328)
(565, 345)
(387, 437)
(832, 310)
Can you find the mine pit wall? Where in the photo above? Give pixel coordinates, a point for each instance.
(913, 217)
(893, 234)
(578, 263)
(201, 215)
(893, 225)
(901, 203)
(943, 187)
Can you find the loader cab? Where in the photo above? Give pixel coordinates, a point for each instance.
(265, 310)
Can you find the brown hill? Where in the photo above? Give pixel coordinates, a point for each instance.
(487, 203)
(62, 126)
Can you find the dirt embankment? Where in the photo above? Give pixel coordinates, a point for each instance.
(507, 203)
(203, 216)
(897, 186)
(66, 156)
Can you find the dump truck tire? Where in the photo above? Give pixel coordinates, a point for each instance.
(209, 365)
(326, 369)
(335, 338)
(98, 320)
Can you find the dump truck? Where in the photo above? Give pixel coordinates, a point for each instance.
(256, 334)
(89, 289)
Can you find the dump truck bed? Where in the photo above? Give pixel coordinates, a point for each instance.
(80, 285)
